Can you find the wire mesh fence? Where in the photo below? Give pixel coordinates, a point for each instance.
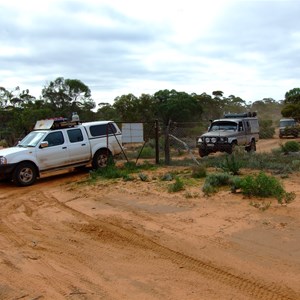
(181, 142)
(160, 144)
(140, 141)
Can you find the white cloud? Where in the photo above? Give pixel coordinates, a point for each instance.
(246, 48)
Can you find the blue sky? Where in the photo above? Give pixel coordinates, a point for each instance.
(246, 48)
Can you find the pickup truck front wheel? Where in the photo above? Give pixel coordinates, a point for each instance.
(25, 174)
(101, 159)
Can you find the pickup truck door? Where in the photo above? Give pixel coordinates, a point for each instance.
(56, 154)
(78, 145)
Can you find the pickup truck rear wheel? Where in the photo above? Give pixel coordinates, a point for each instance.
(101, 159)
(25, 174)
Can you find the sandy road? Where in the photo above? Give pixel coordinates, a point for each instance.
(134, 240)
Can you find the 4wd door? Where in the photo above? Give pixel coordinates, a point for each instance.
(56, 154)
(78, 148)
(241, 135)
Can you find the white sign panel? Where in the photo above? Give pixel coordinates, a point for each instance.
(132, 133)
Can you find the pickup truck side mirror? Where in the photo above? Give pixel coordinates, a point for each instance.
(44, 144)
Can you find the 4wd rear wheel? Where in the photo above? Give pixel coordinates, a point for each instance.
(101, 159)
(25, 174)
(251, 147)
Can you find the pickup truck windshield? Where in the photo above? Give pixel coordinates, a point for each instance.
(32, 139)
(215, 126)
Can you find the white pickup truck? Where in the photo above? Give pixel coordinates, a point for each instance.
(57, 144)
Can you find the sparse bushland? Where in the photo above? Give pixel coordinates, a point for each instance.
(275, 161)
(111, 171)
(259, 185)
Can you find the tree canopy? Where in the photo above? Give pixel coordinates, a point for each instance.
(19, 110)
(291, 107)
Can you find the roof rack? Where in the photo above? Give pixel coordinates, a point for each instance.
(241, 115)
(55, 123)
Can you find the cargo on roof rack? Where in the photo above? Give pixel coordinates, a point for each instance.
(241, 115)
(55, 123)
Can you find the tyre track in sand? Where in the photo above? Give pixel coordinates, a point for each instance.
(256, 288)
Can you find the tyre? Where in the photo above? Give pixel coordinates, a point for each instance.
(231, 148)
(25, 174)
(251, 147)
(101, 159)
(202, 152)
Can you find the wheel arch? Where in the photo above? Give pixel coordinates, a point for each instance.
(30, 162)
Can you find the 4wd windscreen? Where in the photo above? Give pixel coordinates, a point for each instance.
(223, 125)
(287, 123)
(32, 139)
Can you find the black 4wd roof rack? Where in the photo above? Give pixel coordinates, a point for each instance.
(241, 115)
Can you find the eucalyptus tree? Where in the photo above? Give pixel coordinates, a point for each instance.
(127, 107)
(292, 104)
(171, 105)
(67, 95)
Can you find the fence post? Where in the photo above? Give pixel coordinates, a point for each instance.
(156, 142)
(167, 144)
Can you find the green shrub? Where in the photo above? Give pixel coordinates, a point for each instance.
(147, 152)
(213, 181)
(290, 146)
(218, 179)
(231, 164)
(177, 186)
(296, 164)
(262, 185)
(235, 183)
(208, 189)
(130, 166)
(109, 172)
(199, 171)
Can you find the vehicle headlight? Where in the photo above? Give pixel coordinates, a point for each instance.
(207, 140)
(213, 140)
(3, 160)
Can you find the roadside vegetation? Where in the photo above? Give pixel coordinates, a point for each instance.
(257, 176)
